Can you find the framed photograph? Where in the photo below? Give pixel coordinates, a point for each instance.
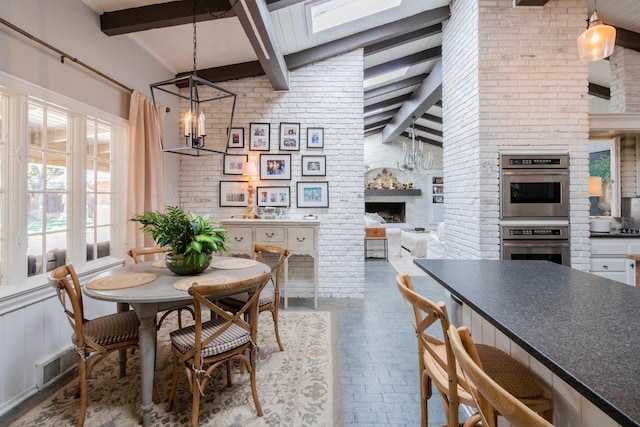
(233, 164)
(236, 138)
(274, 196)
(234, 193)
(290, 136)
(315, 137)
(275, 166)
(314, 165)
(437, 180)
(437, 189)
(313, 194)
(438, 199)
(259, 136)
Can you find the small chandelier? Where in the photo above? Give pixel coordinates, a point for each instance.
(598, 40)
(414, 156)
(192, 139)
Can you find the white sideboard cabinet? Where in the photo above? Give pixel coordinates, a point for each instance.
(299, 236)
(609, 258)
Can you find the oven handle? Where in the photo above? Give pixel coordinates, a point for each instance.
(524, 244)
(537, 172)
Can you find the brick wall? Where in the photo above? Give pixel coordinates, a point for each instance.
(624, 65)
(522, 90)
(326, 94)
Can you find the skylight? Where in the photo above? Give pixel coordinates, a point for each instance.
(380, 78)
(332, 13)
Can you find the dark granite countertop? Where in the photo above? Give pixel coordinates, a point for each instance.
(615, 235)
(583, 327)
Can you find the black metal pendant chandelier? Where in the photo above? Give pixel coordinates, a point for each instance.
(206, 101)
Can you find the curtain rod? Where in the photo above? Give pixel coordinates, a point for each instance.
(64, 55)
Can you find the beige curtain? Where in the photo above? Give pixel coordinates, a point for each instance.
(145, 189)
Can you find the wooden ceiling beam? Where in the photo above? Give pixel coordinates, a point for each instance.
(387, 102)
(424, 140)
(392, 87)
(403, 39)
(530, 2)
(406, 61)
(229, 72)
(627, 39)
(599, 91)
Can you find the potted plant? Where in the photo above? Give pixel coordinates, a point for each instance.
(192, 238)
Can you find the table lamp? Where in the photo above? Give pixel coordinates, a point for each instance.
(249, 169)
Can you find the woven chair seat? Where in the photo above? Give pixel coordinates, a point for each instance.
(504, 370)
(237, 301)
(111, 329)
(234, 337)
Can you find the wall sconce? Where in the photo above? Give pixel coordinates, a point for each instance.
(598, 40)
(249, 169)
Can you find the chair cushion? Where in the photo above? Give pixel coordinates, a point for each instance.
(111, 329)
(237, 301)
(235, 336)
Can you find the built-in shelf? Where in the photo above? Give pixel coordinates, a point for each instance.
(391, 193)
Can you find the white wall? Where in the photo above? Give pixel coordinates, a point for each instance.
(326, 94)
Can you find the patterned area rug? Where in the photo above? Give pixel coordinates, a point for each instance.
(296, 387)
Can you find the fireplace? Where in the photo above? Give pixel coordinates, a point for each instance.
(393, 212)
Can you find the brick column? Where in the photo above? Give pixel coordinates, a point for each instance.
(624, 65)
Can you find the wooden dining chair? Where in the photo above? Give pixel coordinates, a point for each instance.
(97, 337)
(205, 346)
(491, 399)
(437, 363)
(149, 253)
(270, 296)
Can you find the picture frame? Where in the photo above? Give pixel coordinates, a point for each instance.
(290, 136)
(234, 193)
(437, 180)
(275, 166)
(259, 136)
(233, 163)
(312, 194)
(314, 165)
(236, 138)
(315, 137)
(273, 196)
(438, 199)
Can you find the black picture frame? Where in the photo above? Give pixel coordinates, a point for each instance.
(314, 165)
(289, 136)
(232, 163)
(259, 136)
(315, 138)
(236, 138)
(312, 194)
(275, 166)
(274, 196)
(234, 193)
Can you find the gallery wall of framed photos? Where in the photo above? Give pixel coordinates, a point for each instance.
(293, 158)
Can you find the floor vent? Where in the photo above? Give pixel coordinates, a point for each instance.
(52, 369)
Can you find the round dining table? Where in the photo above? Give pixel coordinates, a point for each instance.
(151, 288)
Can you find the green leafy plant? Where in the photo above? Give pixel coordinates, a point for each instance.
(195, 236)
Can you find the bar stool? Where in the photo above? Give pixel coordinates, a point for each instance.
(379, 234)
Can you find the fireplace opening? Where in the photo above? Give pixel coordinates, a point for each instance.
(391, 212)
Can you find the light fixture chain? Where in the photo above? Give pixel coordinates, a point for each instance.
(195, 40)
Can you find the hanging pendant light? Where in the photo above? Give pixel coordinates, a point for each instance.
(598, 40)
(204, 98)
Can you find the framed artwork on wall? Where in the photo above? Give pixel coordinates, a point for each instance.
(233, 164)
(315, 137)
(275, 166)
(290, 136)
(234, 193)
(274, 196)
(259, 136)
(236, 138)
(313, 194)
(314, 165)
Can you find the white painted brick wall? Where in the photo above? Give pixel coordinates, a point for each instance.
(624, 65)
(522, 89)
(326, 94)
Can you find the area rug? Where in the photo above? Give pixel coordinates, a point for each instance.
(404, 265)
(296, 386)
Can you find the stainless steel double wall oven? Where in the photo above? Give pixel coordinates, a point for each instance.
(535, 207)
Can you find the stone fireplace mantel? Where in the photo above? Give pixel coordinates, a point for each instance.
(392, 193)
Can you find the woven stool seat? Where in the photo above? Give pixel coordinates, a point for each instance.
(111, 329)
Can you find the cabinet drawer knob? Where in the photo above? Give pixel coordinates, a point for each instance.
(300, 239)
(606, 267)
(238, 239)
(269, 235)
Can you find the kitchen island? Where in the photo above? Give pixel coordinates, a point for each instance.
(579, 331)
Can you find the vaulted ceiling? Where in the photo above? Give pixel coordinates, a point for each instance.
(244, 38)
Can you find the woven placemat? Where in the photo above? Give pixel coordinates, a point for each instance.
(234, 263)
(160, 263)
(120, 281)
(207, 279)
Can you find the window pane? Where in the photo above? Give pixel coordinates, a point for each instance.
(56, 131)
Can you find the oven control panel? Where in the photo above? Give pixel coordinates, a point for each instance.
(539, 232)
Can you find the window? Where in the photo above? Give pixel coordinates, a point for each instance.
(603, 188)
(62, 164)
(332, 13)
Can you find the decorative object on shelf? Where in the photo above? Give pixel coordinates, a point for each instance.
(273, 196)
(233, 164)
(314, 165)
(315, 137)
(290, 136)
(236, 138)
(259, 136)
(192, 238)
(234, 193)
(313, 194)
(415, 157)
(385, 180)
(193, 124)
(598, 40)
(275, 166)
(249, 170)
